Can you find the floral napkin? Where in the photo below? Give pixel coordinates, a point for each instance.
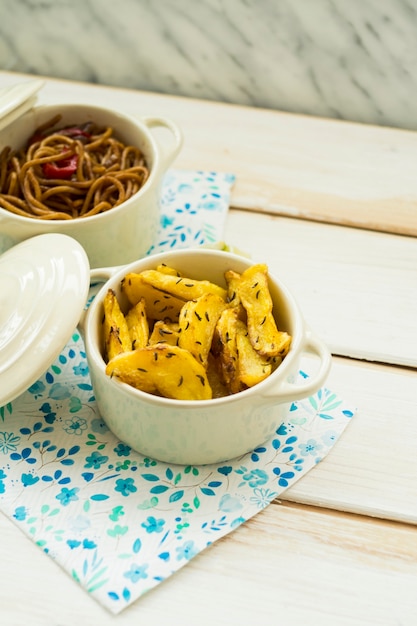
(120, 523)
(193, 209)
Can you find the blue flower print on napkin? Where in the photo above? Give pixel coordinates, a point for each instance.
(118, 522)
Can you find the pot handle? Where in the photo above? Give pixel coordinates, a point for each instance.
(97, 275)
(170, 152)
(288, 391)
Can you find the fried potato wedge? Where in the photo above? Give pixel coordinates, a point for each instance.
(252, 366)
(253, 292)
(225, 347)
(116, 332)
(182, 287)
(166, 269)
(232, 280)
(159, 304)
(197, 322)
(218, 388)
(164, 332)
(137, 323)
(241, 365)
(162, 369)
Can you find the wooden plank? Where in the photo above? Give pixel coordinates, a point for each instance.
(353, 286)
(312, 168)
(294, 564)
(372, 469)
(289, 565)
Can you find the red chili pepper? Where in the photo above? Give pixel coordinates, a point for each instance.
(63, 169)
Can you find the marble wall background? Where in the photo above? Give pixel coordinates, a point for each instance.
(348, 59)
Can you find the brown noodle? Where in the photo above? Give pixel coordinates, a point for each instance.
(104, 172)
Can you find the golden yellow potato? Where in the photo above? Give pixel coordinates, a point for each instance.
(162, 369)
(254, 294)
(218, 388)
(197, 321)
(159, 304)
(232, 280)
(252, 367)
(137, 323)
(181, 287)
(166, 269)
(164, 332)
(116, 332)
(225, 348)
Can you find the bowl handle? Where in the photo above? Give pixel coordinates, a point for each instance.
(97, 275)
(288, 391)
(170, 152)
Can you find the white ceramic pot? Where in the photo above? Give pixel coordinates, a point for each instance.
(209, 431)
(123, 233)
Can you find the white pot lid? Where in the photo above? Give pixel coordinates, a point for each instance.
(44, 283)
(17, 99)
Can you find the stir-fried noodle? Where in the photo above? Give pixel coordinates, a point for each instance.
(71, 172)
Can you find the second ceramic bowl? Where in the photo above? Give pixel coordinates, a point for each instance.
(204, 431)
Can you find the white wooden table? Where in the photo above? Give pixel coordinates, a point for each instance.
(332, 208)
